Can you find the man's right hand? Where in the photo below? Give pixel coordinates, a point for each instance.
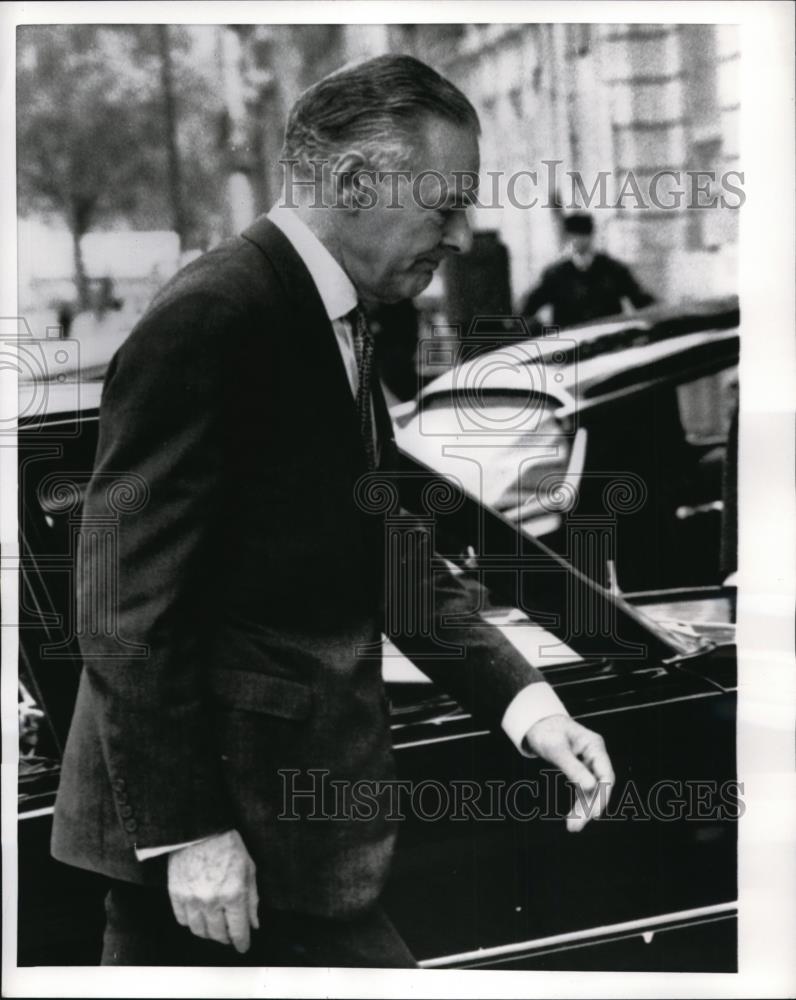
(213, 889)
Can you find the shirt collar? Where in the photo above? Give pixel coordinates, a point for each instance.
(337, 292)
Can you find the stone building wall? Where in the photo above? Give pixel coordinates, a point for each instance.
(609, 99)
(591, 99)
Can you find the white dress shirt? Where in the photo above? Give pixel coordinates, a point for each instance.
(339, 297)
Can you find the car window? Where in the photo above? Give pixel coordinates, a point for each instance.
(31, 714)
(70, 360)
(648, 455)
(501, 448)
(706, 405)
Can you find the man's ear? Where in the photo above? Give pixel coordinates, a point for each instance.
(348, 181)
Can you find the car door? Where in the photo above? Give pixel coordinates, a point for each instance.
(462, 881)
(485, 872)
(60, 912)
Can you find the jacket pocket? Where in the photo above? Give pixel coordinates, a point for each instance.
(251, 691)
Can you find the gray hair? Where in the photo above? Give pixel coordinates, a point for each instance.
(375, 105)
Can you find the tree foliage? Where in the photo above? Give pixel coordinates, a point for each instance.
(92, 142)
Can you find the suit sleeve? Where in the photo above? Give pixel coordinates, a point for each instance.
(461, 652)
(162, 430)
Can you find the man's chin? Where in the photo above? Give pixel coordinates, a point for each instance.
(418, 283)
(406, 289)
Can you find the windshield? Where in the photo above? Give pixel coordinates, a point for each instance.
(634, 487)
(504, 451)
(57, 360)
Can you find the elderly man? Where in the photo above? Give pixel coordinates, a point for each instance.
(249, 592)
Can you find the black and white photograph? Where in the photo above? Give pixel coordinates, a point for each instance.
(397, 499)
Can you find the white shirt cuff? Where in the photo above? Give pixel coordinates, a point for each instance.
(534, 702)
(145, 853)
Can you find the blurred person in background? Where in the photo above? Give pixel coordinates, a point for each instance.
(64, 315)
(586, 284)
(101, 319)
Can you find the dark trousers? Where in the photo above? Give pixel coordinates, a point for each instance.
(141, 930)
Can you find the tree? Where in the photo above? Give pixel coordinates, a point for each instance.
(97, 135)
(170, 117)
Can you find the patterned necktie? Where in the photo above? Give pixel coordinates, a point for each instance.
(363, 348)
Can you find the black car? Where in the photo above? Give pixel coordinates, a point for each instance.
(625, 420)
(485, 873)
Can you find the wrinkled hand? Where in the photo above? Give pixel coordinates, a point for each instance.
(582, 757)
(213, 889)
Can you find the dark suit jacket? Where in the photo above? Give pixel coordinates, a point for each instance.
(239, 591)
(580, 296)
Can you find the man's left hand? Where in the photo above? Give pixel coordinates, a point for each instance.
(581, 755)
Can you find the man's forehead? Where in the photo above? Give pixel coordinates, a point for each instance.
(445, 146)
(446, 154)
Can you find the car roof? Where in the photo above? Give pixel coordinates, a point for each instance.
(612, 333)
(49, 403)
(589, 365)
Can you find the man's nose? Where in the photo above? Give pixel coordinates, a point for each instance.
(457, 237)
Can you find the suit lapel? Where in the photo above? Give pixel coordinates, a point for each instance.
(307, 306)
(314, 322)
(384, 428)
(289, 266)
